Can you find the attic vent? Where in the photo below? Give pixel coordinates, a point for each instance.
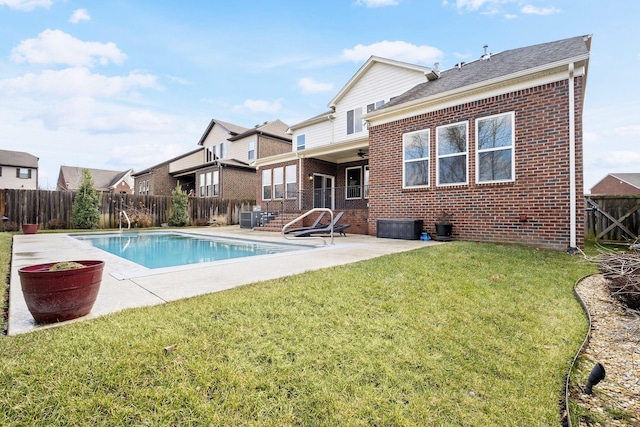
(460, 64)
(486, 55)
(432, 74)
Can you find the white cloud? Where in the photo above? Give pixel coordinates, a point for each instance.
(398, 50)
(79, 15)
(618, 159)
(377, 3)
(26, 5)
(72, 82)
(510, 16)
(633, 130)
(259, 106)
(309, 85)
(471, 5)
(532, 10)
(57, 47)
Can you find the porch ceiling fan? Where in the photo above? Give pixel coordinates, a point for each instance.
(362, 154)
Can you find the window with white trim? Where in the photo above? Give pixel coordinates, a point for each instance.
(415, 159)
(495, 148)
(251, 150)
(366, 181)
(300, 142)
(143, 187)
(215, 183)
(208, 183)
(374, 106)
(354, 121)
(266, 184)
(290, 180)
(202, 185)
(278, 183)
(452, 149)
(354, 182)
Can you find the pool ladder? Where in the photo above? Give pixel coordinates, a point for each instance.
(127, 218)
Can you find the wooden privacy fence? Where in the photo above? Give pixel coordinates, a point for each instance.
(42, 206)
(612, 219)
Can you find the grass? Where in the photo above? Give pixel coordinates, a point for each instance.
(461, 334)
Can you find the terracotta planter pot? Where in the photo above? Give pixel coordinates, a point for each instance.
(56, 296)
(30, 228)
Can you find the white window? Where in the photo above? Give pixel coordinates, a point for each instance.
(354, 182)
(143, 187)
(23, 173)
(495, 148)
(216, 183)
(451, 143)
(366, 182)
(278, 183)
(415, 158)
(208, 183)
(300, 142)
(354, 121)
(251, 150)
(202, 186)
(374, 106)
(266, 184)
(210, 154)
(290, 177)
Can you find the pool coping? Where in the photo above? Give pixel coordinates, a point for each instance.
(125, 286)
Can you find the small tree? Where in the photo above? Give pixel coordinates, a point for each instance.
(180, 202)
(86, 203)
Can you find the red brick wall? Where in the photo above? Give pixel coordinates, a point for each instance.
(613, 186)
(237, 184)
(491, 212)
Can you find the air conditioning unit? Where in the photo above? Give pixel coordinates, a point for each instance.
(249, 219)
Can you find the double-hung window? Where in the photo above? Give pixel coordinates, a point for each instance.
(266, 184)
(495, 148)
(251, 150)
(300, 142)
(208, 183)
(216, 184)
(290, 179)
(354, 182)
(278, 183)
(202, 185)
(354, 121)
(415, 159)
(452, 148)
(23, 173)
(366, 182)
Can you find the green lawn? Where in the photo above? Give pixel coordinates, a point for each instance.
(461, 334)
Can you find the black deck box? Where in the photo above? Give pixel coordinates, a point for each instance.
(405, 229)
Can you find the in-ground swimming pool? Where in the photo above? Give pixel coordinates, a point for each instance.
(171, 249)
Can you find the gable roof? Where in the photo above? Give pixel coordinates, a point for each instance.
(103, 179)
(18, 159)
(276, 128)
(366, 66)
(229, 128)
(496, 67)
(632, 179)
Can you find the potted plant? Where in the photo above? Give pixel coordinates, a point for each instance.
(444, 226)
(61, 291)
(30, 228)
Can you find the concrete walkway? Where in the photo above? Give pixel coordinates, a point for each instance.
(128, 285)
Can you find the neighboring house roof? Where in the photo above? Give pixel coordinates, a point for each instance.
(103, 179)
(327, 115)
(152, 168)
(230, 128)
(632, 179)
(18, 158)
(276, 128)
(491, 67)
(366, 66)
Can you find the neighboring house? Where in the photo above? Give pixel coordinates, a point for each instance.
(496, 142)
(108, 181)
(18, 170)
(618, 184)
(221, 168)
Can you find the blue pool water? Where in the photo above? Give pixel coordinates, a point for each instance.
(170, 249)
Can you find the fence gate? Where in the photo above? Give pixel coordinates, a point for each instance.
(612, 219)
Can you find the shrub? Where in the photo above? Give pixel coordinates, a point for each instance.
(623, 274)
(57, 224)
(139, 216)
(180, 202)
(86, 203)
(10, 226)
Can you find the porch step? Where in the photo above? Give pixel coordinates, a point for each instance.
(275, 222)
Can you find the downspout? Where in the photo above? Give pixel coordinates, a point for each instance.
(572, 160)
(301, 191)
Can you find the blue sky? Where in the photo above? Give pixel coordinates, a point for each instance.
(121, 84)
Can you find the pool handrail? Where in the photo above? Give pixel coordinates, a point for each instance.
(128, 221)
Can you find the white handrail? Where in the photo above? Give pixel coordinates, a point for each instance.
(128, 221)
(284, 227)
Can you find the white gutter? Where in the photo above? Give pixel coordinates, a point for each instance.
(572, 159)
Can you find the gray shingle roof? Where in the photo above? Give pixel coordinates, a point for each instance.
(498, 65)
(18, 159)
(629, 178)
(102, 179)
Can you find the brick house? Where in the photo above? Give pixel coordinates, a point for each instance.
(618, 184)
(18, 170)
(108, 181)
(495, 142)
(221, 167)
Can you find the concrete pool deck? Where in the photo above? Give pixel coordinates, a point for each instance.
(128, 285)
